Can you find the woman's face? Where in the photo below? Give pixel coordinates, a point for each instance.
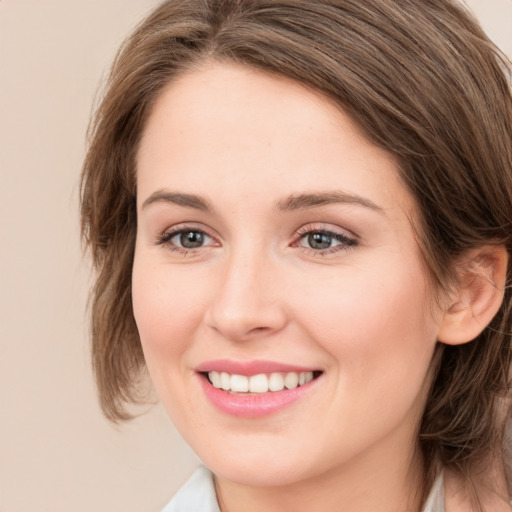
(274, 242)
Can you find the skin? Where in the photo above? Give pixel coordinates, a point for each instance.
(363, 313)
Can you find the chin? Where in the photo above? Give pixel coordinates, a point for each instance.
(261, 474)
(257, 467)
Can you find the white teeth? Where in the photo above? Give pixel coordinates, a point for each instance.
(215, 379)
(305, 377)
(225, 381)
(239, 383)
(291, 381)
(260, 383)
(276, 382)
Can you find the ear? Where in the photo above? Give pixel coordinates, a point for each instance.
(477, 297)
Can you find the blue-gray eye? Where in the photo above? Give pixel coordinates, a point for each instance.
(190, 239)
(319, 241)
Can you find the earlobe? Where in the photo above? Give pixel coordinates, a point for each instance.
(477, 297)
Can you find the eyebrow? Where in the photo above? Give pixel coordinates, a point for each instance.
(188, 200)
(305, 201)
(291, 203)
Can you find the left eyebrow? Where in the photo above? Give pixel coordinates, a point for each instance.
(311, 200)
(186, 200)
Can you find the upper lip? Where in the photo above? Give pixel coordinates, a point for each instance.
(249, 368)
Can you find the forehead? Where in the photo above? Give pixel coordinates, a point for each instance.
(232, 125)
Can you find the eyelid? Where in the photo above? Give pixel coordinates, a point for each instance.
(165, 236)
(318, 227)
(346, 238)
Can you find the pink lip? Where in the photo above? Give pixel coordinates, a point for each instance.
(251, 405)
(248, 368)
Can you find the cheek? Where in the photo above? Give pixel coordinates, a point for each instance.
(380, 336)
(167, 306)
(375, 324)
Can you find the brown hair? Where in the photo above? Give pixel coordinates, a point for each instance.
(422, 80)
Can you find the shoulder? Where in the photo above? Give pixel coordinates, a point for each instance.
(196, 495)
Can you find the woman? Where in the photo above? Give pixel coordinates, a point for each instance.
(300, 215)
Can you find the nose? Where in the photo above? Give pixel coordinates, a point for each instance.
(247, 302)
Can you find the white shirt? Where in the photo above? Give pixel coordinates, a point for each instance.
(198, 495)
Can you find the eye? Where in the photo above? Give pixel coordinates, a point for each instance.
(184, 239)
(318, 241)
(190, 239)
(324, 241)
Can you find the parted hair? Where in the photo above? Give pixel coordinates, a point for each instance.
(421, 79)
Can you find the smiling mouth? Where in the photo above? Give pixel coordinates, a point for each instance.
(260, 383)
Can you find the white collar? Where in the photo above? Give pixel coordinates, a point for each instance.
(435, 500)
(196, 495)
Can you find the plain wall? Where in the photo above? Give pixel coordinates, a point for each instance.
(57, 453)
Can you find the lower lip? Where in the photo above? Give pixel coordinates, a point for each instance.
(255, 405)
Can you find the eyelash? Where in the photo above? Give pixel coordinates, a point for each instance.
(165, 238)
(345, 242)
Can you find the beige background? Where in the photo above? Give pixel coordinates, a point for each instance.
(57, 453)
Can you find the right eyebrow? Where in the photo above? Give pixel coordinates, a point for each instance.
(311, 200)
(188, 200)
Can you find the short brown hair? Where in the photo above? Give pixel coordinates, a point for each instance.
(421, 79)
